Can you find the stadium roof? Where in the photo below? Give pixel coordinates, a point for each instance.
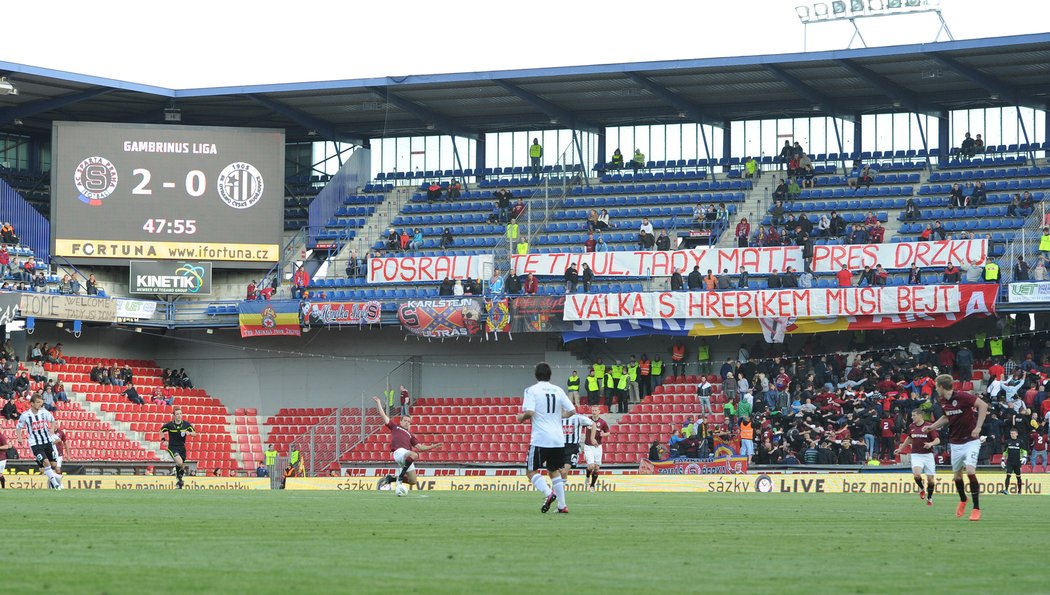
(924, 78)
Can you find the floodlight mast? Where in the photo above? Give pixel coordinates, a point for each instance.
(854, 10)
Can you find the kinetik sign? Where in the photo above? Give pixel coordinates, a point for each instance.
(170, 277)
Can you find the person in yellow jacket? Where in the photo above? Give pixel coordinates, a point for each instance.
(1044, 242)
(523, 246)
(512, 231)
(599, 373)
(638, 161)
(612, 384)
(572, 386)
(621, 391)
(536, 156)
(594, 388)
(657, 370)
(991, 272)
(632, 381)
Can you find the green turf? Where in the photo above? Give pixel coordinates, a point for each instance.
(327, 542)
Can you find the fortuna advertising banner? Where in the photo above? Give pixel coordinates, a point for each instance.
(757, 261)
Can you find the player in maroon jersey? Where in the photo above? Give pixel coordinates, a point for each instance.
(60, 449)
(403, 446)
(964, 415)
(922, 461)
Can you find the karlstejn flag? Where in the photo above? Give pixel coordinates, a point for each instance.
(263, 318)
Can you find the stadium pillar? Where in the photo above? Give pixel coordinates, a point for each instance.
(1046, 124)
(858, 137)
(727, 144)
(943, 139)
(479, 157)
(602, 159)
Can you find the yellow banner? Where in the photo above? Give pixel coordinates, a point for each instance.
(79, 248)
(137, 482)
(794, 483)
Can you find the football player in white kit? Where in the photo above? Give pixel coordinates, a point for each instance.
(545, 405)
(40, 426)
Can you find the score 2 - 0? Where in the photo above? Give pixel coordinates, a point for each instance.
(196, 183)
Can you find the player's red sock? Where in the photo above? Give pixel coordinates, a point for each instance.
(975, 490)
(404, 468)
(961, 488)
(588, 476)
(594, 478)
(918, 480)
(929, 489)
(3, 481)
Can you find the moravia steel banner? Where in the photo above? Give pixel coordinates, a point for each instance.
(170, 277)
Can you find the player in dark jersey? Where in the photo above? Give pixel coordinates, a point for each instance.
(174, 434)
(1014, 457)
(922, 461)
(403, 446)
(964, 415)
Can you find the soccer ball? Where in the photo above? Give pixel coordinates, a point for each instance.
(401, 490)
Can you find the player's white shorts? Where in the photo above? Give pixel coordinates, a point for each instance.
(593, 454)
(399, 458)
(964, 455)
(925, 463)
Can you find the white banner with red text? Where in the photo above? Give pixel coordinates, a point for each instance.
(423, 269)
(783, 303)
(757, 261)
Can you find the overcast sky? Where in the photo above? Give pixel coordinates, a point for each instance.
(208, 43)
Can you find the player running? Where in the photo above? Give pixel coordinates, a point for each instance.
(921, 456)
(574, 429)
(592, 447)
(40, 426)
(404, 446)
(964, 415)
(1014, 457)
(174, 434)
(546, 405)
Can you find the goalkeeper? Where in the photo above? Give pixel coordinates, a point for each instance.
(1014, 457)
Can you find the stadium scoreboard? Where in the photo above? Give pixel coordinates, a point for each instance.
(132, 191)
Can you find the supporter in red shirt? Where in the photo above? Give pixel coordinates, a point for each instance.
(877, 233)
(845, 278)
(531, 285)
(946, 358)
(589, 243)
(301, 278)
(251, 291)
(996, 370)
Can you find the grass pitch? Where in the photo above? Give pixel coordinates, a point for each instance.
(335, 542)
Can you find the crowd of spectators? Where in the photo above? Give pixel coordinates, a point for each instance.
(854, 407)
(19, 379)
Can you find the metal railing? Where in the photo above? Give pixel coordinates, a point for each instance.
(326, 441)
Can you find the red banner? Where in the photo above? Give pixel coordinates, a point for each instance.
(935, 254)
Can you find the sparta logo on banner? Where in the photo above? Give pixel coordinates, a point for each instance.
(442, 317)
(421, 269)
(328, 313)
(787, 303)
